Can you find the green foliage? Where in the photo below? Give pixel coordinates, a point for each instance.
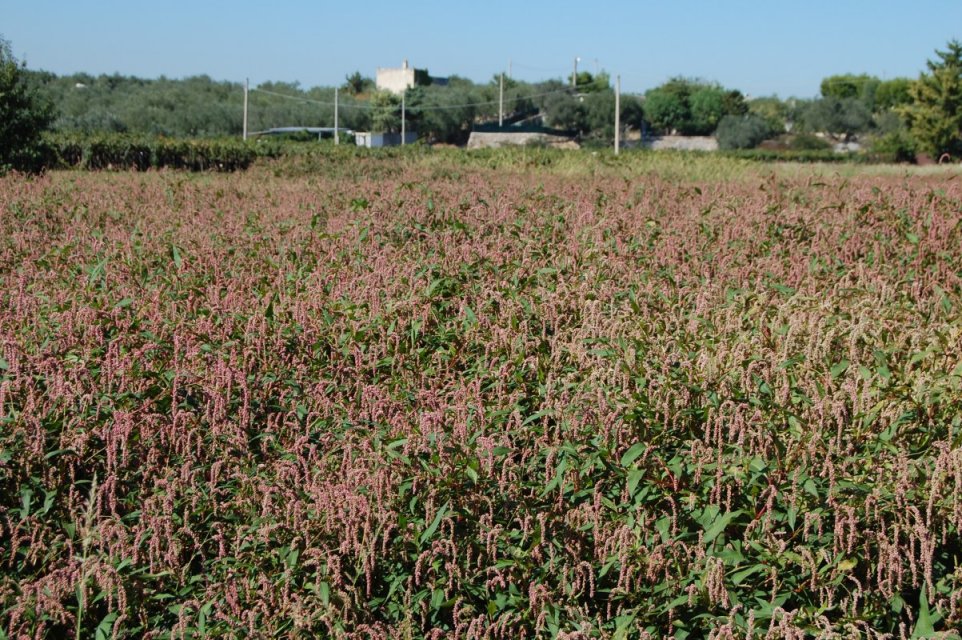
(565, 111)
(707, 106)
(667, 107)
(935, 116)
(801, 156)
(691, 107)
(386, 112)
(838, 116)
(893, 93)
(861, 87)
(742, 132)
(446, 113)
(121, 151)
(776, 112)
(895, 146)
(808, 142)
(588, 83)
(356, 84)
(23, 116)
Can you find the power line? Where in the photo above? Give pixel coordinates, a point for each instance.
(369, 107)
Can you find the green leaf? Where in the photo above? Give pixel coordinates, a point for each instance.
(26, 498)
(426, 535)
(472, 474)
(634, 477)
(783, 289)
(719, 525)
(558, 477)
(633, 453)
(847, 564)
(105, 628)
(925, 625)
(202, 618)
(175, 256)
(739, 576)
(839, 368)
(535, 416)
(53, 454)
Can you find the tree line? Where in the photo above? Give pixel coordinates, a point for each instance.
(899, 116)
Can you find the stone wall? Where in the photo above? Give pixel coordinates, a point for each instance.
(489, 139)
(681, 143)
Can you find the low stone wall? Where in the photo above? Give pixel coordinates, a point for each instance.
(489, 140)
(681, 143)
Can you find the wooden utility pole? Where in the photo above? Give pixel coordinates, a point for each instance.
(617, 114)
(246, 91)
(337, 139)
(501, 103)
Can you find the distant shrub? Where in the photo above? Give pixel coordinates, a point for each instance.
(895, 146)
(742, 132)
(809, 142)
(119, 151)
(805, 155)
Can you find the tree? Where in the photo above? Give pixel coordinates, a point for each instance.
(356, 84)
(565, 111)
(708, 107)
(935, 115)
(775, 112)
(862, 87)
(893, 93)
(742, 132)
(587, 83)
(838, 116)
(667, 108)
(691, 107)
(23, 116)
(385, 112)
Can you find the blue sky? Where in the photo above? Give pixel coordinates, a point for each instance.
(761, 48)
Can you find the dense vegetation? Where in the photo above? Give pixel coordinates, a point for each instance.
(23, 115)
(896, 117)
(202, 107)
(405, 396)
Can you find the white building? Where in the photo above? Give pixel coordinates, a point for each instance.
(375, 140)
(397, 80)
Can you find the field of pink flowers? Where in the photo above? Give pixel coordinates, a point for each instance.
(476, 404)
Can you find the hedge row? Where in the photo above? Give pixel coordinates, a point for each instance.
(789, 155)
(124, 152)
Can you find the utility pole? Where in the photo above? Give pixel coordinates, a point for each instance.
(574, 76)
(403, 128)
(510, 75)
(501, 103)
(337, 139)
(246, 91)
(617, 114)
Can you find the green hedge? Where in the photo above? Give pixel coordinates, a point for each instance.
(125, 152)
(808, 155)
